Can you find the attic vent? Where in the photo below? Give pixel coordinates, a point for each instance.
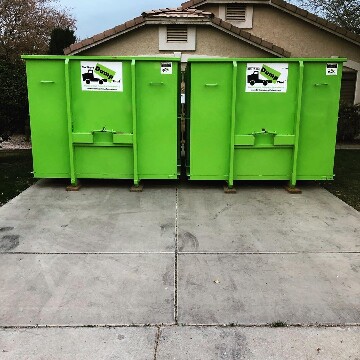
(235, 12)
(177, 33)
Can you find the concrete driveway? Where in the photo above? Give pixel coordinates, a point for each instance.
(180, 271)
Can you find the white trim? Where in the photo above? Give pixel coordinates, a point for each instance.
(249, 15)
(355, 66)
(222, 12)
(190, 45)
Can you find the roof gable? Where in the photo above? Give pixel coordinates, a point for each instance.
(291, 9)
(182, 16)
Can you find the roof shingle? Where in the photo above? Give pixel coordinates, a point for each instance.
(171, 13)
(296, 10)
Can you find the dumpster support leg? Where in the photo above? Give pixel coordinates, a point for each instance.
(292, 186)
(229, 189)
(134, 118)
(74, 182)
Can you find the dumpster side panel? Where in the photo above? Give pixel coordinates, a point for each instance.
(48, 118)
(319, 116)
(101, 115)
(263, 164)
(104, 162)
(157, 95)
(211, 94)
(272, 111)
(261, 119)
(95, 110)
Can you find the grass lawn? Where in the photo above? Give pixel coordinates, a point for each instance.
(346, 185)
(16, 176)
(15, 173)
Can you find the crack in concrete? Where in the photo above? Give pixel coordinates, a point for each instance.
(264, 252)
(90, 253)
(179, 252)
(157, 342)
(158, 326)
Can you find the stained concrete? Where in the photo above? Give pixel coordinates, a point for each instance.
(199, 343)
(262, 289)
(86, 289)
(108, 218)
(265, 219)
(78, 343)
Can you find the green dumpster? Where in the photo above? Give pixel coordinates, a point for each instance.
(104, 117)
(262, 119)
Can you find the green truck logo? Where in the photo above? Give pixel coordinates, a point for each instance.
(270, 75)
(104, 72)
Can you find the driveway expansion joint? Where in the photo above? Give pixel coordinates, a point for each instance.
(157, 341)
(176, 275)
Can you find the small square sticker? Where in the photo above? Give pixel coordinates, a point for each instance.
(166, 68)
(332, 69)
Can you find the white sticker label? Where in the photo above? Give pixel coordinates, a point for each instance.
(166, 68)
(101, 76)
(332, 69)
(267, 77)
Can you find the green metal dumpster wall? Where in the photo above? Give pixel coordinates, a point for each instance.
(278, 131)
(123, 129)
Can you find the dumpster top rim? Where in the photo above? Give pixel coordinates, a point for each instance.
(281, 60)
(101, 58)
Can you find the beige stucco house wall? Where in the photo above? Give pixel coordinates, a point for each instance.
(141, 41)
(145, 41)
(274, 31)
(299, 37)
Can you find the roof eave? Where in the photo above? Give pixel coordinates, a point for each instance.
(77, 49)
(295, 11)
(167, 20)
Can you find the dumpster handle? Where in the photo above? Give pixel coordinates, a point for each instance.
(103, 130)
(322, 84)
(47, 81)
(211, 85)
(264, 132)
(156, 83)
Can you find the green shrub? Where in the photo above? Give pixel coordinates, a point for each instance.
(349, 122)
(13, 97)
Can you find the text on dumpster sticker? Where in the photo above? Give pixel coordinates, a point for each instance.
(331, 69)
(272, 77)
(101, 76)
(166, 68)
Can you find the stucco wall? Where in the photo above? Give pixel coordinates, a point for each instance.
(299, 37)
(145, 41)
(214, 42)
(142, 41)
